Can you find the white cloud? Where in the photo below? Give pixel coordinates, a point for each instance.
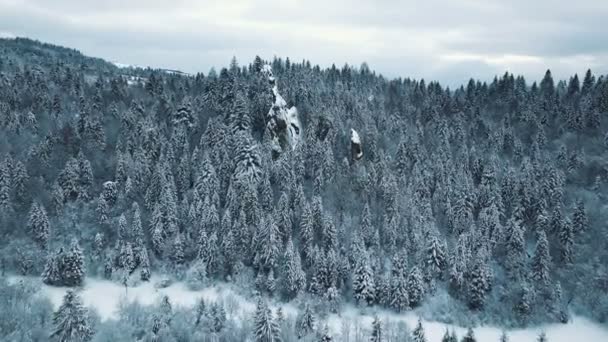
(435, 39)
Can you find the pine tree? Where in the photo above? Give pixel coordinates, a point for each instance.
(436, 258)
(267, 248)
(306, 233)
(294, 277)
(541, 262)
(515, 249)
(579, 218)
(144, 273)
(477, 286)
(102, 211)
(178, 255)
(306, 323)
(123, 232)
(325, 336)
(201, 311)
(265, 327)
(69, 180)
(363, 282)
(542, 337)
(73, 266)
(469, 337)
(523, 304)
(399, 295)
(415, 287)
(377, 333)
(39, 226)
(446, 336)
(6, 206)
(51, 274)
(418, 333)
(566, 238)
(72, 321)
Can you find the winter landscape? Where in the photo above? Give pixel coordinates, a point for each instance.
(270, 199)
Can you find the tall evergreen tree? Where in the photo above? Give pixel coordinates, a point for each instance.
(71, 321)
(265, 327)
(39, 226)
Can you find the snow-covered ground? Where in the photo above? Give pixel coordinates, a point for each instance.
(105, 296)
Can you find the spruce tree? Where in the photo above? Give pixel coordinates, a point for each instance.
(293, 275)
(363, 282)
(469, 337)
(566, 239)
(377, 333)
(541, 262)
(73, 266)
(306, 323)
(39, 226)
(415, 287)
(399, 293)
(418, 333)
(265, 327)
(71, 321)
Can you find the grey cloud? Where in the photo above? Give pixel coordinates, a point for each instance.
(396, 37)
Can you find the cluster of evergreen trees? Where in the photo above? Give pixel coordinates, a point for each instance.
(492, 192)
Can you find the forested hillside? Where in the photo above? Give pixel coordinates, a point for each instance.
(485, 203)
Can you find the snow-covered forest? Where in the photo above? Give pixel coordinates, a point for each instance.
(321, 190)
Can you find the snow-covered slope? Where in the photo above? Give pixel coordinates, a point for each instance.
(105, 296)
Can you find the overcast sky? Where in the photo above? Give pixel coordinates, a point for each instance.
(445, 40)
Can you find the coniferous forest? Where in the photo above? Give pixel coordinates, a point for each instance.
(322, 187)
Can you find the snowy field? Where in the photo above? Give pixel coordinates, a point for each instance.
(105, 296)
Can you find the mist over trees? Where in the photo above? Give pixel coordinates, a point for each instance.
(491, 195)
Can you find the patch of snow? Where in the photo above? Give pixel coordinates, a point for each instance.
(355, 141)
(123, 65)
(354, 137)
(105, 296)
(108, 183)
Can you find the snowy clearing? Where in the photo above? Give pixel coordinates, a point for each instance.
(105, 296)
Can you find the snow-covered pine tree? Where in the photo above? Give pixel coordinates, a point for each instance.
(324, 335)
(306, 322)
(566, 239)
(71, 321)
(541, 262)
(144, 264)
(469, 336)
(377, 330)
(102, 211)
(306, 233)
(6, 188)
(418, 333)
(399, 297)
(580, 222)
(38, 225)
(415, 287)
(364, 290)
(515, 249)
(435, 256)
(73, 270)
(294, 277)
(52, 274)
(477, 285)
(265, 327)
(178, 254)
